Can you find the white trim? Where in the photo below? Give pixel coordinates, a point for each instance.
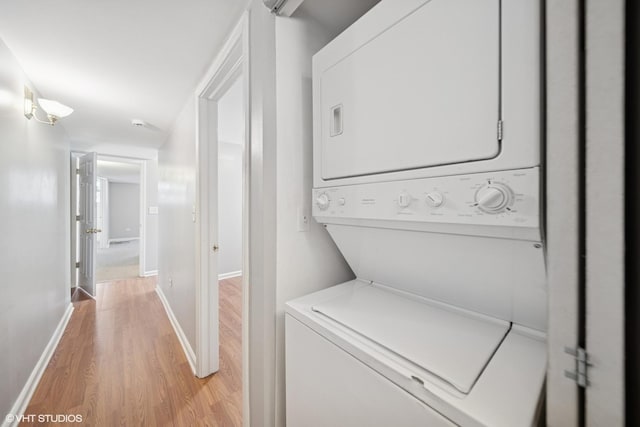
(124, 239)
(246, 211)
(150, 273)
(605, 213)
(22, 402)
(186, 347)
(73, 212)
(225, 69)
(230, 275)
(142, 252)
(80, 289)
(562, 206)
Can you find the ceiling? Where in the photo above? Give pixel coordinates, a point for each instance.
(118, 60)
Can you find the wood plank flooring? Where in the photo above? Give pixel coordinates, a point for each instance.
(119, 362)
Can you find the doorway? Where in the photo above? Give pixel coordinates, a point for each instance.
(118, 202)
(123, 216)
(222, 210)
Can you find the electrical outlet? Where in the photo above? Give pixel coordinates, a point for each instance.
(304, 218)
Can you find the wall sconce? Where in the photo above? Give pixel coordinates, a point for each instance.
(54, 109)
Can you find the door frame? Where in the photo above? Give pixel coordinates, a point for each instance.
(143, 208)
(230, 64)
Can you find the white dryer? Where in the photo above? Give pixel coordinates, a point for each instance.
(426, 175)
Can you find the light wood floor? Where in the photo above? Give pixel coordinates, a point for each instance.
(119, 363)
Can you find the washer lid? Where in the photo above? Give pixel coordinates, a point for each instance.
(450, 343)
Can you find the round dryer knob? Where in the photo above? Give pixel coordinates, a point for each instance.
(493, 198)
(434, 199)
(404, 199)
(323, 201)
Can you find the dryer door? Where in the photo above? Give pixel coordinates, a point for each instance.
(423, 92)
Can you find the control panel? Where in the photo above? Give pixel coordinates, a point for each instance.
(504, 198)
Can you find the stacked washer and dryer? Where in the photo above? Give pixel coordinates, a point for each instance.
(427, 147)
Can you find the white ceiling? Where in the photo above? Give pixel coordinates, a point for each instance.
(113, 61)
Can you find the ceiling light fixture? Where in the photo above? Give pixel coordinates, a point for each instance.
(54, 109)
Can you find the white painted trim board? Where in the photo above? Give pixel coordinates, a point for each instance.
(186, 347)
(229, 275)
(22, 402)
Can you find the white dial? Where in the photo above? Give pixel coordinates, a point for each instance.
(404, 199)
(323, 201)
(434, 199)
(493, 198)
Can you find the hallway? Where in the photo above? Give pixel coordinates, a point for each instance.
(120, 362)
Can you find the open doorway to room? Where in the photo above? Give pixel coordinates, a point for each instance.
(113, 219)
(118, 197)
(222, 227)
(230, 167)
(231, 137)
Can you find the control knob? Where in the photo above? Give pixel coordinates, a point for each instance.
(493, 198)
(323, 201)
(404, 199)
(434, 199)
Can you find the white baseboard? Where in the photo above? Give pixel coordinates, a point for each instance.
(229, 275)
(123, 239)
(186, 347)
(29, 388)
(150, 273)
(80, 289)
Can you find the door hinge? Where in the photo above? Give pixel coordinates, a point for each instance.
(580, 374)
(77, 264)
(78, 217)
(77, 171)
(500, 129)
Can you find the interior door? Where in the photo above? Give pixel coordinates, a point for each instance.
(88, 223)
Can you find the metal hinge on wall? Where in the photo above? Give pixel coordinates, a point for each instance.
(580, 374)
(500, 129)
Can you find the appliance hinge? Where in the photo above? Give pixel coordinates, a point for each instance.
(500, 129)
(78, 264)
(579, 375)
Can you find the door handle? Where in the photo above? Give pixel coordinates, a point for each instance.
(93, 230)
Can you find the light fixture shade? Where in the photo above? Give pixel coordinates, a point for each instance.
(28, 103)
(54, 108)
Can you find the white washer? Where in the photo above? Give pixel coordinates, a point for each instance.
(426, 175)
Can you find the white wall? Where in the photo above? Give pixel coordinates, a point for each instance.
(306, 261)
(229, 208)
(35, 233)
(176, 236)
(124, 210)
